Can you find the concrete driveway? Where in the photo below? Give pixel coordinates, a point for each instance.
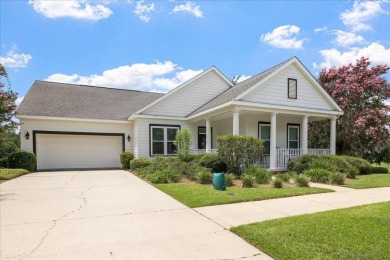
(106, 214)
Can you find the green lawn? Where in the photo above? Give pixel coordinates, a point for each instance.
(8, 174)
(369, 181)
(198, 195)
(357, 233)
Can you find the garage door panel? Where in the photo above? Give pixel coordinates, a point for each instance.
(77, 151)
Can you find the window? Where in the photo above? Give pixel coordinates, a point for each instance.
(293, 136)
(292, 88)
(202, 137)
(162, 138)
(265, 135)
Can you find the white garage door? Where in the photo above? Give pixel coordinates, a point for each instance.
(77, 151)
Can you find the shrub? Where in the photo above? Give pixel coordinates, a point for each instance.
(4, 162)
(277, 182)
(183, 141)
(213, 162)
(191, 157)
(322, 163)
(352, 172)
(318, 175)
(229, 179)
(22, 160)
(307, 161)
(163, 176)
(139, 163)
(247, 181)
(126, 157)
(239, 151)
(260, 174)
(285, 177)
(358, 163)
(379, 170)
(336, 178)
(301, 180)
(205, 177)
(366, 170)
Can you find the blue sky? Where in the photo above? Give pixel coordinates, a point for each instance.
(156, 45)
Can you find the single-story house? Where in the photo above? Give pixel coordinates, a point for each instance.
(72, 126)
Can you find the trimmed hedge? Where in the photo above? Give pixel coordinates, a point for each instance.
(139, 163)
(305, 162)
(4, 162)
(213, 162)
(22, 160)
(380, 170)
(358, 163)
(126, 157)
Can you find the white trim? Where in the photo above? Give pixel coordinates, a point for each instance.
(288, 136)
(133, 117)
(72, 119)
(165, 141)
(307, 74)
(185, 84)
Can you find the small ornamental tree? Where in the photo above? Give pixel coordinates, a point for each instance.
(238, 152)
(183, 141)
(361, 91)
(7, 104)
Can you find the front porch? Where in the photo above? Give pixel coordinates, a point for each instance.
(285, 134)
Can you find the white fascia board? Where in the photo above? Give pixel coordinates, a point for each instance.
(185, 84)
(285, 109)
(134, 116)
(72, 119)
(208, 111)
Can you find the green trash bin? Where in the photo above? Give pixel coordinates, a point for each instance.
(219, 181)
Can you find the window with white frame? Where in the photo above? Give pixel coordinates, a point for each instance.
(162, 138)
(292, 88)
(265, 135)
(293, 136)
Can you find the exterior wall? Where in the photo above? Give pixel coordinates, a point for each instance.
(275, 91)
(72, 126)
(190, 97)
(142, 145)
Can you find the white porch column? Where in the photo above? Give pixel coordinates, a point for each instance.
(272, 158)
(304, 134)
(333, 135)
(236, 122)
(208, 136)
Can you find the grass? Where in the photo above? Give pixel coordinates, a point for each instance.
(356, 233)
(8, 174)
(369, 181)
(198, 195)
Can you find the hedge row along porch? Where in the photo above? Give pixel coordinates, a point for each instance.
(78, 126)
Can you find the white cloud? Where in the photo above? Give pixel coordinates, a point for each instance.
(376, 52)
(189, 7)
(79, 9)
(360, 14)
(158, 77)
(320, 29)
(283, 37)
(345, 39)
(143, 11)
(13, 59)
(19, 100)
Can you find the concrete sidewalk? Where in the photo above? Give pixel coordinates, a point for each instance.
(231, 215)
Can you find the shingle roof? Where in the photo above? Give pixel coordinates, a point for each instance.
(80, 101)
(236, 90)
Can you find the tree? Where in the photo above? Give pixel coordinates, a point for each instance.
(7, 104)
(183, 141)
(360, 90)
(9, 143)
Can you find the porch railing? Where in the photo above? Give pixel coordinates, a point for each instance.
(283, 155)
(203, 151)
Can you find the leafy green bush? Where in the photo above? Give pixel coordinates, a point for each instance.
(277, 182)
(126, 157)
(239, 151)
(213, 162)
(205, 177)
(229, 178)
(336, 178)
(379, 170)
(318, 175)
(4, 162)
(352, 172)
(22, 160)
(247, 181)
(301, 180)
(139, 163)
(322, 163)
(183, 141)
(8, 174)
(358, 163)
(307, 161)
(163, 176)
(285, 177)
(191, 157)
(260, 174)
(366, 170)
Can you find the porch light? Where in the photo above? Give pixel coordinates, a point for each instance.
(128, 138)
(27, 135)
